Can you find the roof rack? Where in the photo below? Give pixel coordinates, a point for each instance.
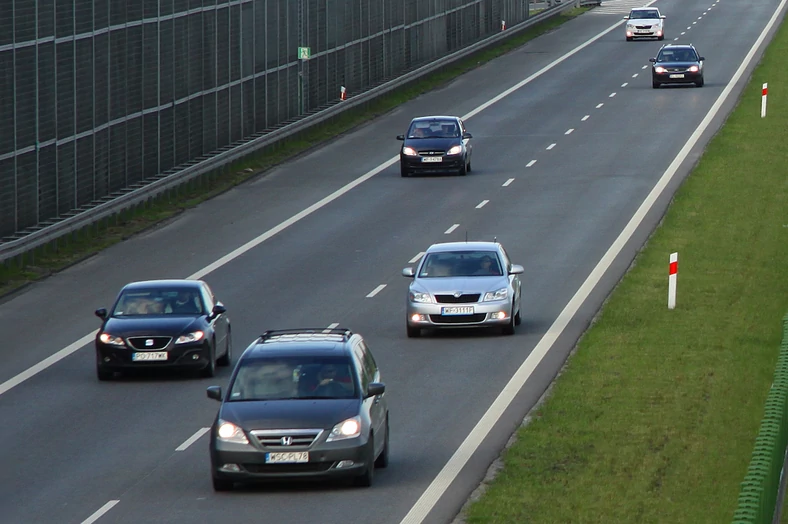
(300, 333)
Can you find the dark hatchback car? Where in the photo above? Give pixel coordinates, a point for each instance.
(301, 404)
(677, 64)
(163, 324)
(435, 144)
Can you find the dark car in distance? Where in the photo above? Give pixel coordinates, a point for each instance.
(677, 64)
(435, 144)
(301, 404)
(163, 324)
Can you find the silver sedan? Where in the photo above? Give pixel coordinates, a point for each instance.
(464, 284)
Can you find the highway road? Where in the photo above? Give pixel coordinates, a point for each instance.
(561, 165)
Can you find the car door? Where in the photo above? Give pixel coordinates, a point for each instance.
(466, 141)
(375, 406)
(514, 280)
(218, 323)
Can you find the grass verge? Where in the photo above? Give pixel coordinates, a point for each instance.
(654, 417)
(79, 246)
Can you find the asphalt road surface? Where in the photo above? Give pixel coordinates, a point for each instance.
(560, 167)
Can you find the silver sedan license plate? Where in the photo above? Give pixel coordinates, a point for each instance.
(291, 457)
(432, 159)
(457, 310)
(149, 355)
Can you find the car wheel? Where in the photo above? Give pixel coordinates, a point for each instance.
(413, 332)
(222, 484)
(629, 39)
(225, 359)
(210, 370)
(699, 83)
(103, 374)
(403, 171)
(518, 319)
(469, 166)
(463, 170)
(661, 37)
(654, 84)
(365, 479)
(508, 329)
(383, 459)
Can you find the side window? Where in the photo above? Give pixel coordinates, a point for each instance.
(358, 357)
(370, 365)
(207, 297)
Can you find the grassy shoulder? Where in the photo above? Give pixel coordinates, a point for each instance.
(654, 417)
(77, 247)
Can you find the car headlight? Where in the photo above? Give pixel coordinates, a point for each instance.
(693, 69)
(111, 339)
(190, 337)
(659, 69)
(418, 296)
(501, 294)
(350, 428)
(229, 432)
(409, 151)
(456, 150)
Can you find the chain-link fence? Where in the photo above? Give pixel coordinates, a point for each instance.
(96, 95)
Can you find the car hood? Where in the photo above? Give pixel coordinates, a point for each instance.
(429, 144)
(645, 21)
(170, 325)
(449, 285)
(289, 414)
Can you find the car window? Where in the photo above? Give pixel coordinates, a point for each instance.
(158, 301)
(290, 378)
(439, 128)
(370, 366)
(461, 264)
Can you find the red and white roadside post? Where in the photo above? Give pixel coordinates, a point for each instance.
(342, 93)
(503, 25)
(763, 100)
(673, 273)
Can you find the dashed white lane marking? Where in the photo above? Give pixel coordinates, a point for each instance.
(625, 84)
(482, 204)
(683, 33)
(416, 258)
(635, 75)
(508, 182)
(194, 438)
(102, 510)
(675, 39)
(693, 23)
(599, 105)
(551, 146)
(645, 66)
(529, 164)
(376, 291)
(331, 326)
(612, 95)
(690, 27)
(451, 229)
(569, 131)
(585, 118)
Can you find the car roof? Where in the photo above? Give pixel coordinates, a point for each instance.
(168, 283)
(434, 117)
(443, 247)
(308, 341)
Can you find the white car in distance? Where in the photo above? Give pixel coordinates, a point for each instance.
(645, 22)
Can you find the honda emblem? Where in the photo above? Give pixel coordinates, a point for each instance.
(287, 441)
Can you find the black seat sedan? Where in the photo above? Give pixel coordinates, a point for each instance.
(677, 64)
(161, 324)
(435, 144)
(301, 404)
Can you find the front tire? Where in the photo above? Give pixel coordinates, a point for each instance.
(508, 329)
(463, 170)
(103, 375)
(413, 332)
(210, 370)
(365, 479)
(699, 83)
(654, 84)
(403, 172)
(222, 484)
(225, 359)
(383, 459)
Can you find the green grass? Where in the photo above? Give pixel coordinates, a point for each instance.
(77, 247)
(654, 417)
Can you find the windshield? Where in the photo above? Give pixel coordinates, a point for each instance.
(461, 264)
(644, 13)
(288, 378)
(160, 301)
(677, 55)
(434, 129)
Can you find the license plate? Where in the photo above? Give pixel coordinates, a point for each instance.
(457, 310)
(149, 355)
(677, 76)
(432, 159)
(642, 32)
(292, 457)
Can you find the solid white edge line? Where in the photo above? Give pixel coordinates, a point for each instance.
(451, 229)
(508, 182)
(443, 480)
(376, 290)
(191, 440)
(529, 164)
(482, 204)
(97, 515)
(416, 258)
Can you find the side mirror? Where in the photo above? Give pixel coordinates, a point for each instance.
(467, 135)
(516, 269)
(400, 137)
(662, 17)
(652, 60)
(375, 388)
(409, 272)
(626, 18)
(215, 392)
(218, 309)
(701, 59)
(101, 313)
